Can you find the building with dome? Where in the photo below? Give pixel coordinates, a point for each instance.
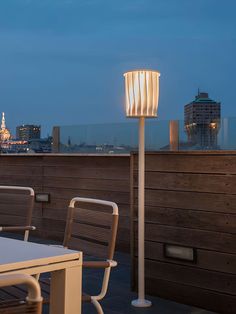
(5, 134)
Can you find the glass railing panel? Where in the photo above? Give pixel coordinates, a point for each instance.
(113, 138)
(99, 138)
(123, 137)
(156, 135)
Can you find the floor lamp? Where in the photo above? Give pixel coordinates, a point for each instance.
(142, 93)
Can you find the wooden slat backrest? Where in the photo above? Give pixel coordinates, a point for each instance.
(16, 206)
(10, 220)
(91, 231)
(88, 248)
(86, 216)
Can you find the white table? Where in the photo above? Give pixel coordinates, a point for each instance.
(65, 267)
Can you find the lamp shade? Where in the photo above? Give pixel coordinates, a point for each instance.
(141, 93)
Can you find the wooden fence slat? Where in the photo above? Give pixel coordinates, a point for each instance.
(85, 184)
(68, 194)
(221, 203)
(189, 182)
(73, 171)
(203, 298)
(193, 219)
(193, 162)
(20, 170)
(201, 278)
(21, 180)
(86, 161)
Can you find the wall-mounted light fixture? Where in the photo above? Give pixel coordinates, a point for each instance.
(187, 254)
(42, 197)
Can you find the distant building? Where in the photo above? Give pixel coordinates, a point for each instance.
(202, 121)
(5, 134)
(14, 146)
(28, 132)
(43, 145)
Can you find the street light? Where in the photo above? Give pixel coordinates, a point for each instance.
(142, 93)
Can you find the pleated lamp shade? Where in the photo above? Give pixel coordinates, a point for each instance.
(141, 93)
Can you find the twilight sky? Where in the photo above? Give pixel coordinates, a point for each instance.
(61, 61)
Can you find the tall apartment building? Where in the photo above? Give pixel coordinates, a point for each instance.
(28, 132)
(202, 121)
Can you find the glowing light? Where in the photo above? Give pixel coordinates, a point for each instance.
(213, 125)
(141, 93)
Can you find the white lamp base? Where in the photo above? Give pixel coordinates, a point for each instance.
(141, 303)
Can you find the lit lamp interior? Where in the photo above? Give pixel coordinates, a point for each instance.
(142, 93)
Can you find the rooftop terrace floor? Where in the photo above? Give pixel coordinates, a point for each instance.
(119, 296)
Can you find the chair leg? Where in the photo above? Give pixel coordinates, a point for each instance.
(97, 306)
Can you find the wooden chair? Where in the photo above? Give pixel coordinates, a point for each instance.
(92, 231)
(16, 206)
(33, 302)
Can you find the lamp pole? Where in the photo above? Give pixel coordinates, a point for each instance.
(141, 301)
(142, 92)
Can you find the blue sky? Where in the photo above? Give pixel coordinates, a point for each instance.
(61, 61)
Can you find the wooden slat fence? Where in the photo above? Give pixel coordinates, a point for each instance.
(190, 201)
(66, 176)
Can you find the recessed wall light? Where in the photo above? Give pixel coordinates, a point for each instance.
(180, 252)
(42, 197)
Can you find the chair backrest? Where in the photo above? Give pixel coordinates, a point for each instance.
(92, 227)
(32, 304)
(16, 206)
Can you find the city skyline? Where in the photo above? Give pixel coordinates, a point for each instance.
(13, 134)
(62, 62)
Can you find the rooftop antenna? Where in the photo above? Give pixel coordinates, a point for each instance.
(69, 141)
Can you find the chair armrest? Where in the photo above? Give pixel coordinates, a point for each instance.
(34, 291)
(17, 228)
(99, 264)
